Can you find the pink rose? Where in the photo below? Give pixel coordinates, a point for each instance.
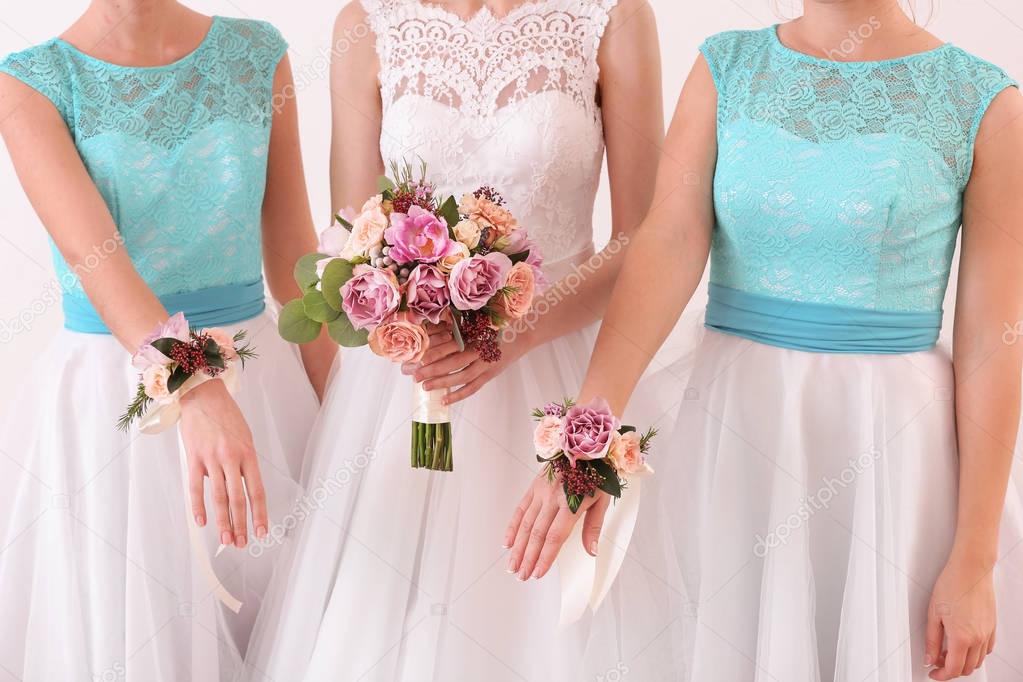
(474, 281)
(418, 236)
(154, 381)
(426, 293)
(588, 430)
(626, 454)
(520, 283)
(399, 339)
(367, 230)
(370, 296)
(547, 436)
(518, 242)
(176, 327)
(224, 341)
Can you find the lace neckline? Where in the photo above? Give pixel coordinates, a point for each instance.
(201, 47)
(779, 45)
(484, 15)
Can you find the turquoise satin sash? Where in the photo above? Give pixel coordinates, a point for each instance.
(817, 327)
(213, 307)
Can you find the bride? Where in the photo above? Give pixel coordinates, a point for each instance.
(396, 576)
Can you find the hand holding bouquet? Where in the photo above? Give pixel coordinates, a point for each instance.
(409, 259)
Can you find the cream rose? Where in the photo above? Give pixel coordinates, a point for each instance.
(399, 339)
(367, 230)
(468, 232)
(547, 436)
(154, 381)
(461, 252)
(521, 285)
(626, 454)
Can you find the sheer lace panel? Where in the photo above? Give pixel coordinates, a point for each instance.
(178, 152)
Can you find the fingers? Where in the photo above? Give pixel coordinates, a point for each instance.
(537, 538)
(934, 637)
(441, 345)
(447, 365)
(555, 539)
(516, 520)
(522, 535)
(196, 474)
(466, 375)
(236, 495)
(257, 495)
(955, 660)
(470, 389)
(220, 500)
(593, 523)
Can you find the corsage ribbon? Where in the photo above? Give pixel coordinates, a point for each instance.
(163, 415)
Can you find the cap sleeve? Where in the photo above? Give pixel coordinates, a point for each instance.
(980, 83)
(42, 68)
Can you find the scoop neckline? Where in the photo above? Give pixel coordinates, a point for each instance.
(778, 44)
(158, 67)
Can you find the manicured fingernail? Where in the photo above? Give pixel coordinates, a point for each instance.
(261, 531)
(522, 576)
(239, 541)
(506, 546)
(536, 574)
(593, 548)
(511, 566)
(200, 520)
(226, 539)
(927, 661)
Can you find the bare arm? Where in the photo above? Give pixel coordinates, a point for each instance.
(74, 213)
(662, 269)
(288, 232)
(987, 392)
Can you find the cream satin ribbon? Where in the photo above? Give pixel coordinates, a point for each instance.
(428, 406)
(160, 418)
(585, 580)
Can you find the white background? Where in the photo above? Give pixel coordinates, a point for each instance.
(992, 29)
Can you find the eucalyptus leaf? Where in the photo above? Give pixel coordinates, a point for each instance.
(385, 184)
(305, 270)
(344, 334)
(337, 272)
(449, 211)
(317, 308)
(295, 326)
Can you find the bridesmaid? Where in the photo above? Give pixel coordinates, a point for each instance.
(146, 140)
(834, 488)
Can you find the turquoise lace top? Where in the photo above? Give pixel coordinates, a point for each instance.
(839, 185)
(178, 152)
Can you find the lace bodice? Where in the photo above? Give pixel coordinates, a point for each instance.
(507, 101)
(842, 183)
(178, 152)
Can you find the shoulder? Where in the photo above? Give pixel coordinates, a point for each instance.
(730, 52)
(43, 68)
(968, 68)
(261, 38)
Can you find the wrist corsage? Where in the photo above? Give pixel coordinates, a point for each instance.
(588, 449)
(175, 358)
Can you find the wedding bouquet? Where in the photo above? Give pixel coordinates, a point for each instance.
(409, 258)
(588, 449)
(176, 358)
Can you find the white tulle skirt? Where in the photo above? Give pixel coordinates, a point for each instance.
(97, 580)
(804, 506)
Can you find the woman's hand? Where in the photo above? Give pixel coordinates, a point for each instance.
(444, 366)
(219, 446)
(542, 522)
(960, 620)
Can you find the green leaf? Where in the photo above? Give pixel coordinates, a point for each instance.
(385, 184)
(449, 211)
(626, 429)
(611, 483)
(344, 334)
(337, 272)
(518, 257)
(165, 345)
(573, 502)
(295, 326)
(305, 270)
(176, 379)
(317, 308)
(342, 222)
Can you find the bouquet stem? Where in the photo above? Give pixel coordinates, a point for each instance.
(431, 431)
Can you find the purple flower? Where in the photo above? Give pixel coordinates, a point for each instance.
(370, 296)
(176, 327)
(418, 236)
(426, 292)
(474, 281)
(588, 430)
(519, 241)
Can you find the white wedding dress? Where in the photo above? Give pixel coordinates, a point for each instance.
(398, 575)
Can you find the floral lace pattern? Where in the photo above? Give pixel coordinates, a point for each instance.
(509, 101)
(842, 182)
(178, 152)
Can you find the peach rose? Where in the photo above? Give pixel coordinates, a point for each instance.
(460, 252)
(522, 285)
(625, 453)
(224, 340)
(399, 339)
(154, 380)
(547, 436)
(486, 214)
(468, 232)
(367, 229)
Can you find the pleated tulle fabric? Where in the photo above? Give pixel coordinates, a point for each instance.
(808, 504)
(97, 579)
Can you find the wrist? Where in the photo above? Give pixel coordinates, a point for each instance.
(973, 554)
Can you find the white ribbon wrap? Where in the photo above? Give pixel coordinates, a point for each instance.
(586, 580)
(427, 406)
(161, 417)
